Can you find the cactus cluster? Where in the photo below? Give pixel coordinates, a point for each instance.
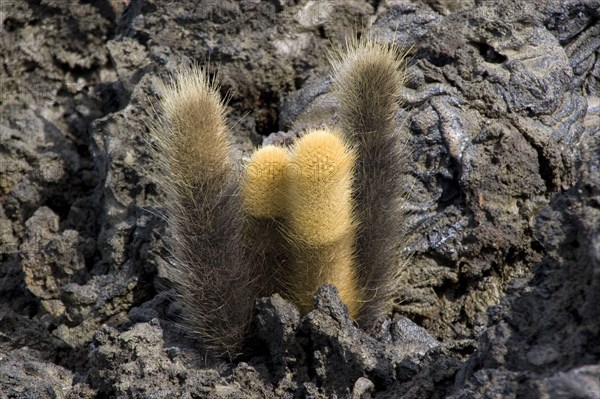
(328, 210)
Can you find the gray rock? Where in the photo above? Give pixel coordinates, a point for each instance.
(502, 102)
(544, 339)
(23, 375)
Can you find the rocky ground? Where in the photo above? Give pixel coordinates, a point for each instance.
(502, 292)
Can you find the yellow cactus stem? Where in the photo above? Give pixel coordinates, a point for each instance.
(265, 183)
(320, 225)
(264, 203)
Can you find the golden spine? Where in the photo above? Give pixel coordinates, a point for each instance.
(264, 202)
(320, 226)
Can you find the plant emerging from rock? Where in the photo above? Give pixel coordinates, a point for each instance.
(328, 210)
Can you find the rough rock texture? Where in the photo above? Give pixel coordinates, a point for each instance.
(502, 292)
(545, 334)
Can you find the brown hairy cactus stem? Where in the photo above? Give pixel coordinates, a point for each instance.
(203, 208)
(367, 79)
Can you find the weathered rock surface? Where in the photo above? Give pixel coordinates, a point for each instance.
(502, 291)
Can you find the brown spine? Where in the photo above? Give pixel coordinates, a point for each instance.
(367, 79)
(203, 208)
